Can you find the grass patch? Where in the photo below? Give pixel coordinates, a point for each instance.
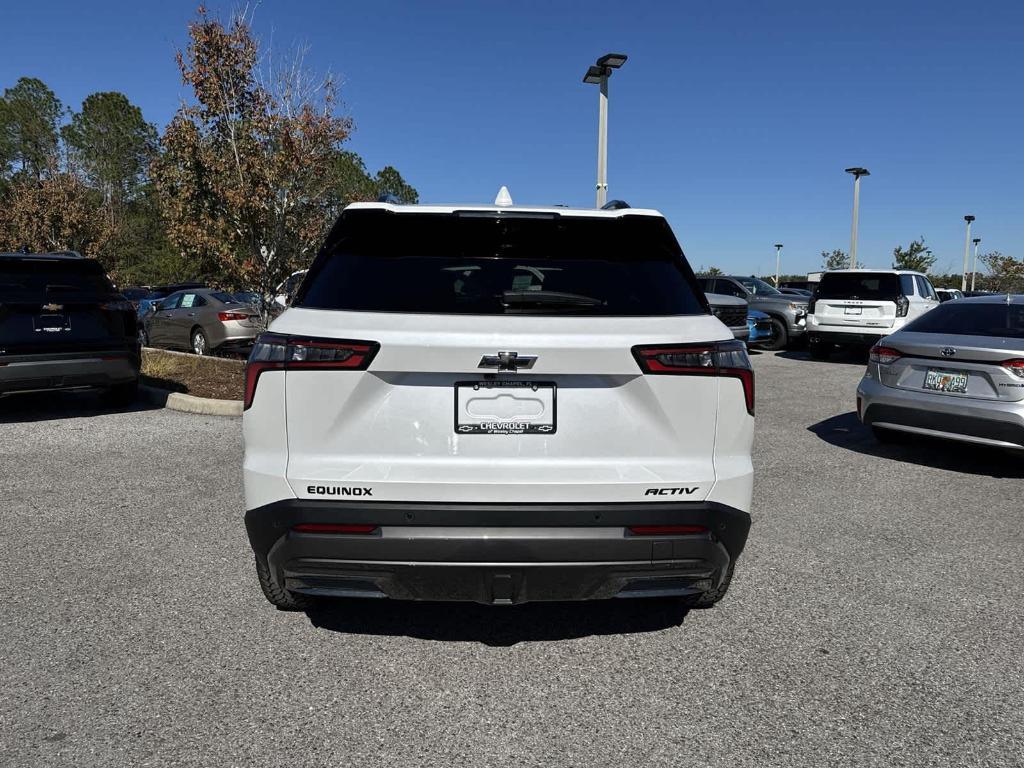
(194, 375)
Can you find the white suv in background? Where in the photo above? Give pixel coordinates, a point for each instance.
(857, 307)
(498, 404)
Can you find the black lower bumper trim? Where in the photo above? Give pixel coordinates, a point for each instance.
(504, 583)
(103, 368)
(846, 338)
(495, 553)
(957, 424)
(266, 524)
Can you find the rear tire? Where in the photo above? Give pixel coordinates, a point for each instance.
(121, 395)
(780, 336)
(279, 596)
(200, 346)
(709, 598)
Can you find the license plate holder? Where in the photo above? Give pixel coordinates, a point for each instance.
(50, 323)
(852, 310)
(506, 407)
(946, 380)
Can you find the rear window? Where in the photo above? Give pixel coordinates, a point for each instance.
(973, 319)
(486, 264)
(859, 285)
(44, 279)
(224, 298)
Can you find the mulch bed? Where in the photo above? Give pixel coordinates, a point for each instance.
(200, 376)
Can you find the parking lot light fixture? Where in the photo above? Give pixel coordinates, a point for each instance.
(598, 74)
(967, 251)
(778, 262)
(613, 60)
(974, 270)
(857, 173)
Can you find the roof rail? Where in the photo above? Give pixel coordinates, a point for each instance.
(76, 254)
(614, 205)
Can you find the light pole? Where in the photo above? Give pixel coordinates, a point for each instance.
(967, 251)
(857, 173)
(778, 260)
(974, 270)
(598, 74)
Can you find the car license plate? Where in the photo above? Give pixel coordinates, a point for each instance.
(945, 381)
(505, 407)
(852, 310)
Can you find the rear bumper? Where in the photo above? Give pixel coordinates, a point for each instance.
(819, 336)
(999, 424)
(232, 335)
(26, 373)
(497, 553)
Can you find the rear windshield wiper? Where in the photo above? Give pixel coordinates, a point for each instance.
(548, 299)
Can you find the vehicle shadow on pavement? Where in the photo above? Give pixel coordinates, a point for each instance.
(51, 406)
(846, 431)
(499, 626)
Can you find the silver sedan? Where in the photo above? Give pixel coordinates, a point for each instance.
(957, 373)
(201, 320)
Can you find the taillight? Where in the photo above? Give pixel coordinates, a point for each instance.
(717, 358)
(884, 355)
(223, 316)
(902, 306)
(1016, 367)
(275, 352)
(666, 530)
(350, 528)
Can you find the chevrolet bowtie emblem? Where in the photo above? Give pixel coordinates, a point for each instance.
(52, 307)
(507, 361)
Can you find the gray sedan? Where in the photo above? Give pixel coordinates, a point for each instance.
(201, 320)
(956, 372)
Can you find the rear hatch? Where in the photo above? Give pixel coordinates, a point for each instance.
(446, 412)
(61, 305)
(857, 299)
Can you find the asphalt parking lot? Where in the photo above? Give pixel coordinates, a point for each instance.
(875, 618)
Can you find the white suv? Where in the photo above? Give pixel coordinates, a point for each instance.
(857, 307)
(498, 404)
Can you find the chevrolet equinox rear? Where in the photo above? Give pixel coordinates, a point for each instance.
(499, 405)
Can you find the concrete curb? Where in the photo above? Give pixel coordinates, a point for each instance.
(178, 401)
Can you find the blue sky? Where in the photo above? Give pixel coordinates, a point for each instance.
(735, 119)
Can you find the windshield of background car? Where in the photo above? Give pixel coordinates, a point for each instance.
(758, 287)
(44, 280)
(973, 319)
(859, 285)
(495, 263)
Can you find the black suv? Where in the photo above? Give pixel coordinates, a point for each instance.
(63, 325)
